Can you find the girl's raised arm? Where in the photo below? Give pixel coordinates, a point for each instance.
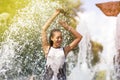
(77, 35)
(45, 43)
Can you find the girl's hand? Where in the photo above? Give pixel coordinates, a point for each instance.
(59, 10)
(64, 24)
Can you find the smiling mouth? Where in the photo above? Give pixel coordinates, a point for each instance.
(59, 43)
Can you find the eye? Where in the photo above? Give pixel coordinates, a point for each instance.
(60, 37)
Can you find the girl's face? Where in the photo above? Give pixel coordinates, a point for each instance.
(57, 39)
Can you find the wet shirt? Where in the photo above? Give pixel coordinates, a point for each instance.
(55, 65)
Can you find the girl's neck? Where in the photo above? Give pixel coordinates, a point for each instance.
(56, 46)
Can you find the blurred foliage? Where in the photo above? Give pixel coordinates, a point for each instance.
(11, 6)
(100, 75)
(96, 48)
(8, 9)
(71, 7)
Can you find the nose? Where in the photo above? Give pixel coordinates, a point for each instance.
(59, 39)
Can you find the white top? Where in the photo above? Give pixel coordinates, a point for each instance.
(55, 59)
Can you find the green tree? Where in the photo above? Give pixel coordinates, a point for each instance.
(8, 9)
(96, 48)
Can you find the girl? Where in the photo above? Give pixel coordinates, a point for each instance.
(54, 53)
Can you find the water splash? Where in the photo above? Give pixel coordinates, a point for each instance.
(21, 51)
(117, 56)
(84, 70)
(83, 67)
